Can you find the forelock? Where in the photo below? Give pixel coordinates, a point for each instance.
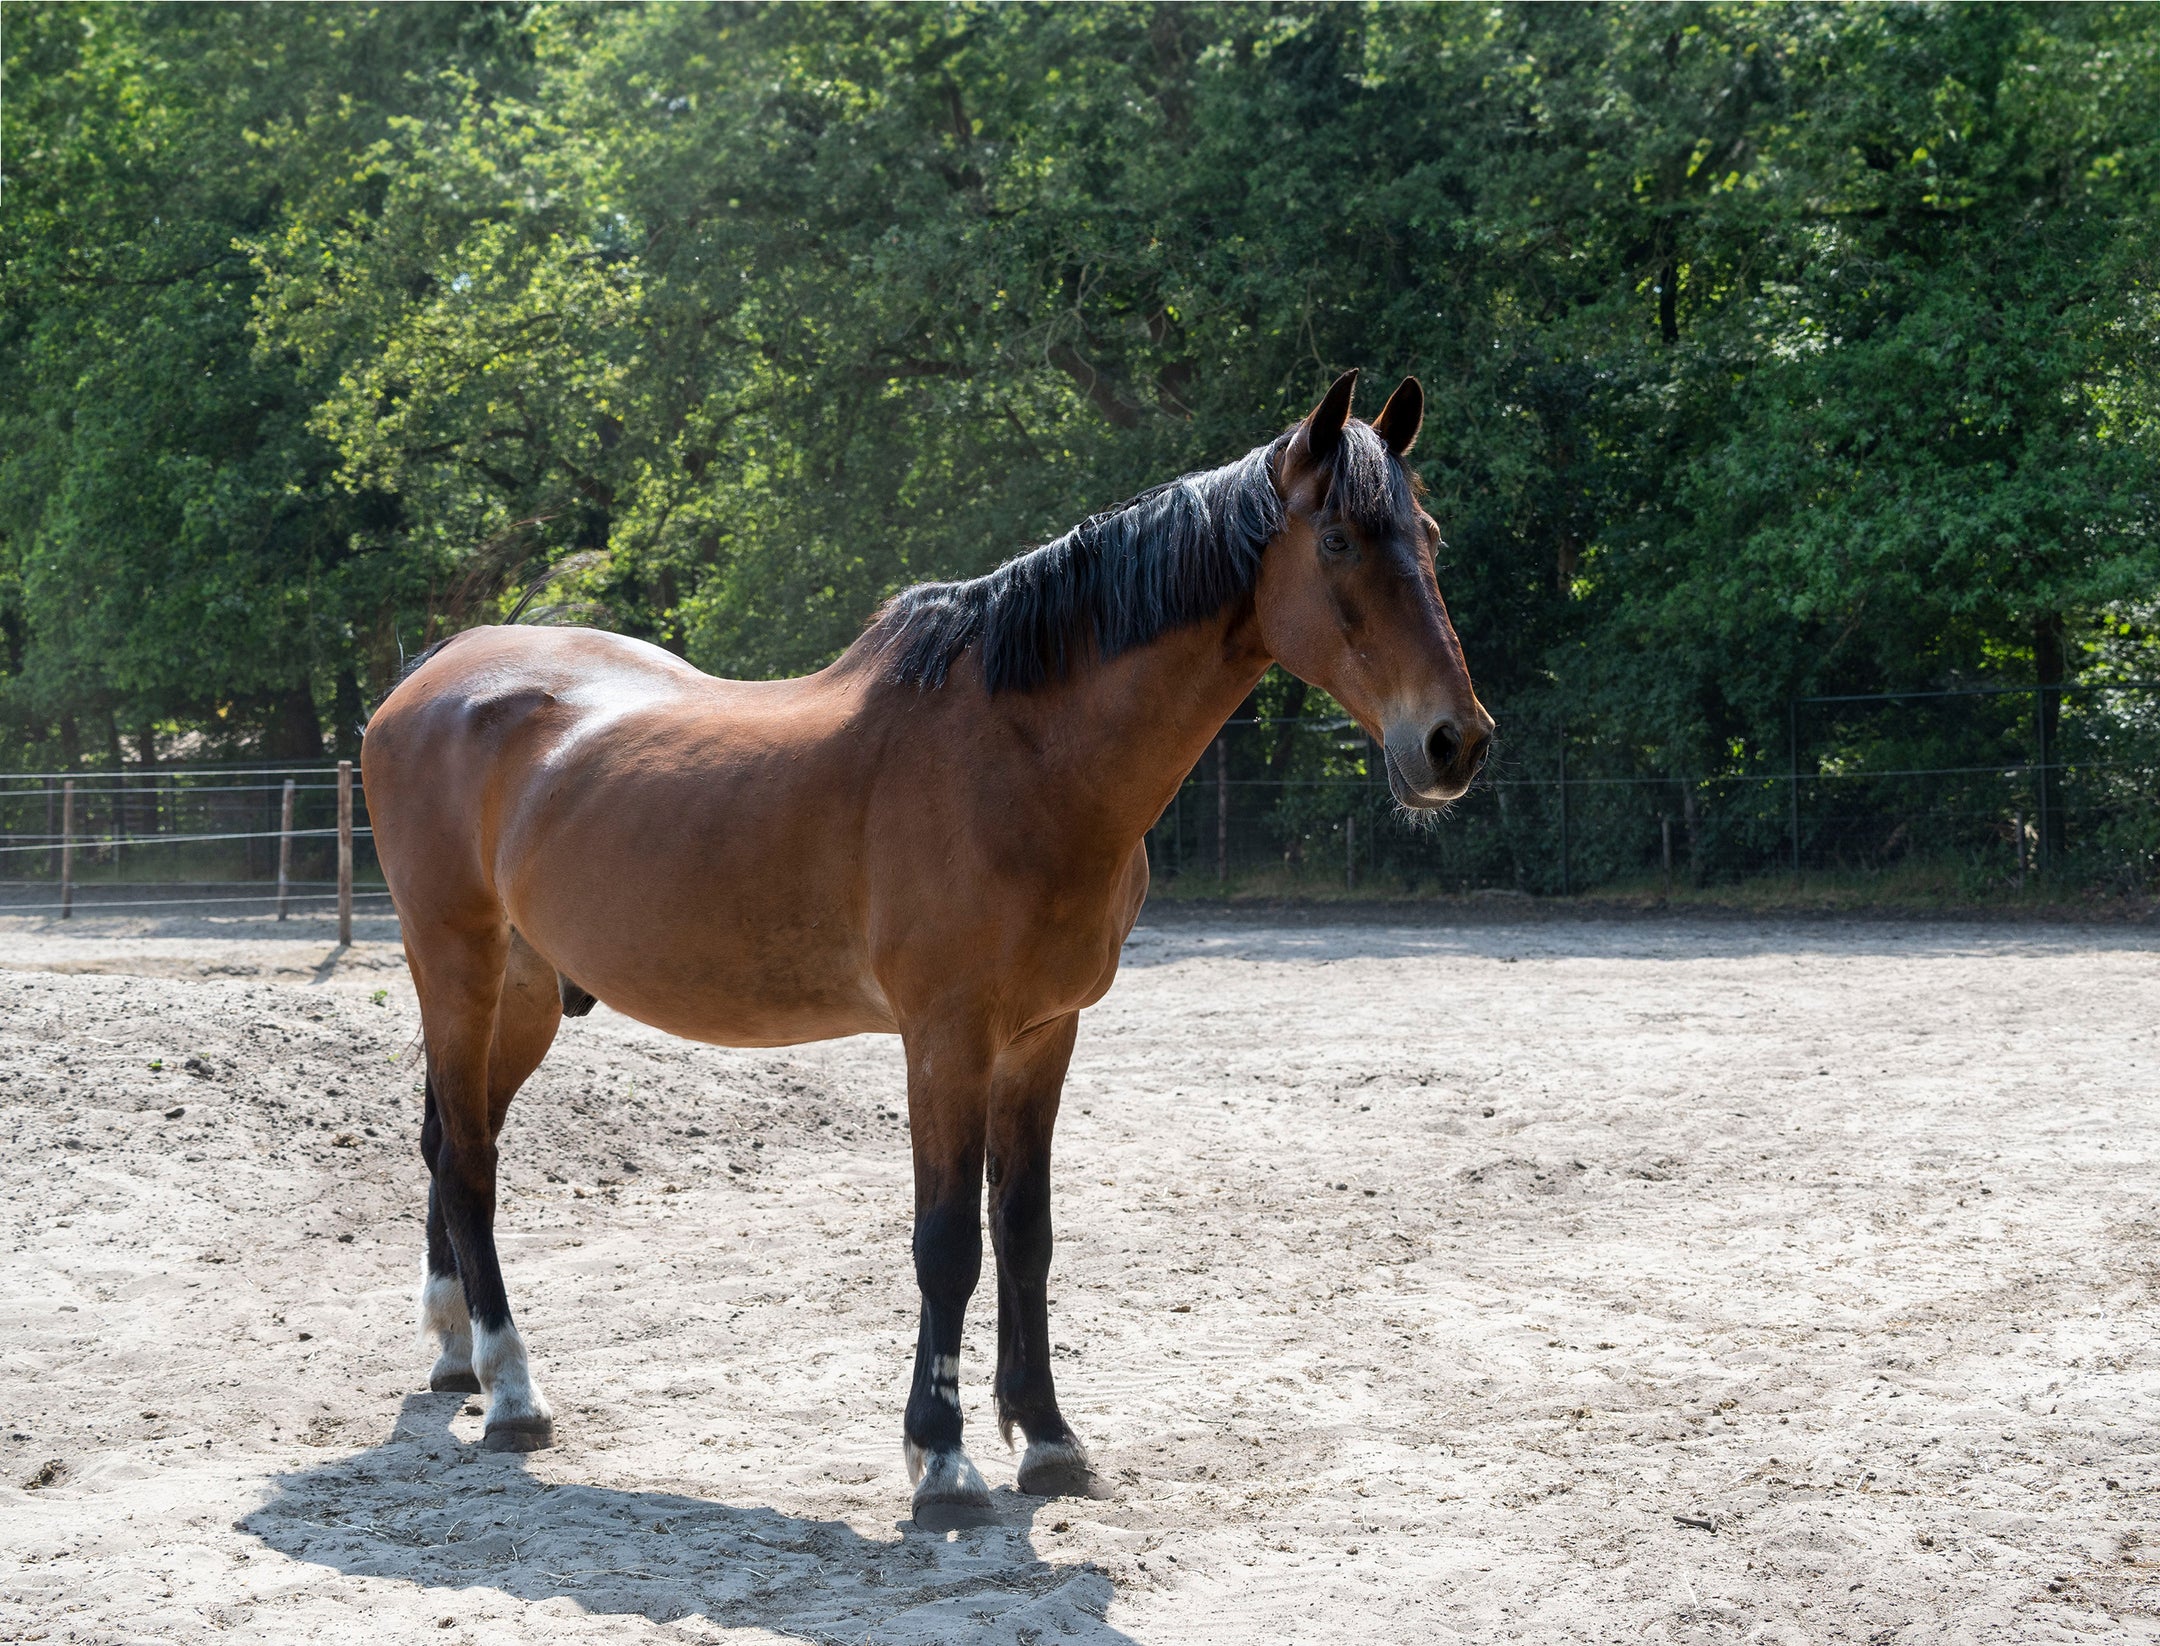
(1368, 484)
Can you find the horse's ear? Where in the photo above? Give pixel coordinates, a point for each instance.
(1322, 430)
(1402, 416)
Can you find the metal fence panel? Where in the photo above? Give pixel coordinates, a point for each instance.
(213, 829)
(1992, 786)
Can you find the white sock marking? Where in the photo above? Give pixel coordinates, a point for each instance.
(1043, 1453)
(443, 1318)
(948, 1477)
(505, 1378)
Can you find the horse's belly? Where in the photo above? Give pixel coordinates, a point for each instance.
(740, 934)
(779, 990)
(745, 1016)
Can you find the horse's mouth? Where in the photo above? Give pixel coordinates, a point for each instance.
(1409, 796)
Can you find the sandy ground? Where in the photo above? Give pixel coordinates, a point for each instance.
(1680, 1282)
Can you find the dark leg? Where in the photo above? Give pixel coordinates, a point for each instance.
(518, 1418)
(1023, 1114)
(490, 1009)
(948, 1262)
(946, 1120)
(442, 1296)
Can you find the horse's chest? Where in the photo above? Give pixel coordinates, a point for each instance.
(1073, 958)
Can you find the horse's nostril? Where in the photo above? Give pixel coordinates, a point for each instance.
(1442, 744)
(1478, 751)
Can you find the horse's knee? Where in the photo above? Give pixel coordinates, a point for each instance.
(464, 1172)
(1021, 1225)
(457, 1155)
(948, 1252)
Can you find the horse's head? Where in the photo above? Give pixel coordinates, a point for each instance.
(1347, 599)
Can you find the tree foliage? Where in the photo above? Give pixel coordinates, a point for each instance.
(1769, 348)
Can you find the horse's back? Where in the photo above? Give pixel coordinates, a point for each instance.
(498, 708)
(481, 686)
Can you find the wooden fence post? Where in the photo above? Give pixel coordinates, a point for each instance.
(1689, 822)
(1222, 809)
(67, 850)
(284, 850)
(1566, 889)
(1792, 778)
(2044, 810)
(344, 852)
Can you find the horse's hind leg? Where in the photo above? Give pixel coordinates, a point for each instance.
(442, 1294)
(1023, 1111)
(490, 1007)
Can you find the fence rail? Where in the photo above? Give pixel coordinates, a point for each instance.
(1992, 785)
(106, 821)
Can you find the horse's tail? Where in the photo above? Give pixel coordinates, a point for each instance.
(407, 668)
(568, 566)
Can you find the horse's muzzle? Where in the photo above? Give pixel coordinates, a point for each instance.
(1433, 765)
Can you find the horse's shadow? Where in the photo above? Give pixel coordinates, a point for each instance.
(423, 1509)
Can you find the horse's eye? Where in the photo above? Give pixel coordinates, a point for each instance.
(1333, 542)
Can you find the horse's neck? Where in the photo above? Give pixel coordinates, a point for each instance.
(1144, 719)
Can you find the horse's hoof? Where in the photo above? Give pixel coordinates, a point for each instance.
(453, 1383)
(1057, 1468)
(952, 1493)
(519, 1434)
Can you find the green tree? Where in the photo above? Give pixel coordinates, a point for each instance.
(1769, 348)
(176, 547)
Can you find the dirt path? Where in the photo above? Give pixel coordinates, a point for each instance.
(1557, 1282)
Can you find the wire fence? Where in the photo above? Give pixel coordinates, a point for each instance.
(1994, 787)
(1988, 788)
(259, 838)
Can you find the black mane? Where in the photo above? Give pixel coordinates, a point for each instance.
(1175, 555)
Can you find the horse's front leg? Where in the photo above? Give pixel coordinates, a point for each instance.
(1023, 1111)
(948, 1097)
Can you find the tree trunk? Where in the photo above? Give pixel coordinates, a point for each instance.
(2049, 662)
(295, 728)
(350, 713)
(1689, 822)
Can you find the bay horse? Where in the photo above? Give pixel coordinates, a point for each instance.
(940, 835)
